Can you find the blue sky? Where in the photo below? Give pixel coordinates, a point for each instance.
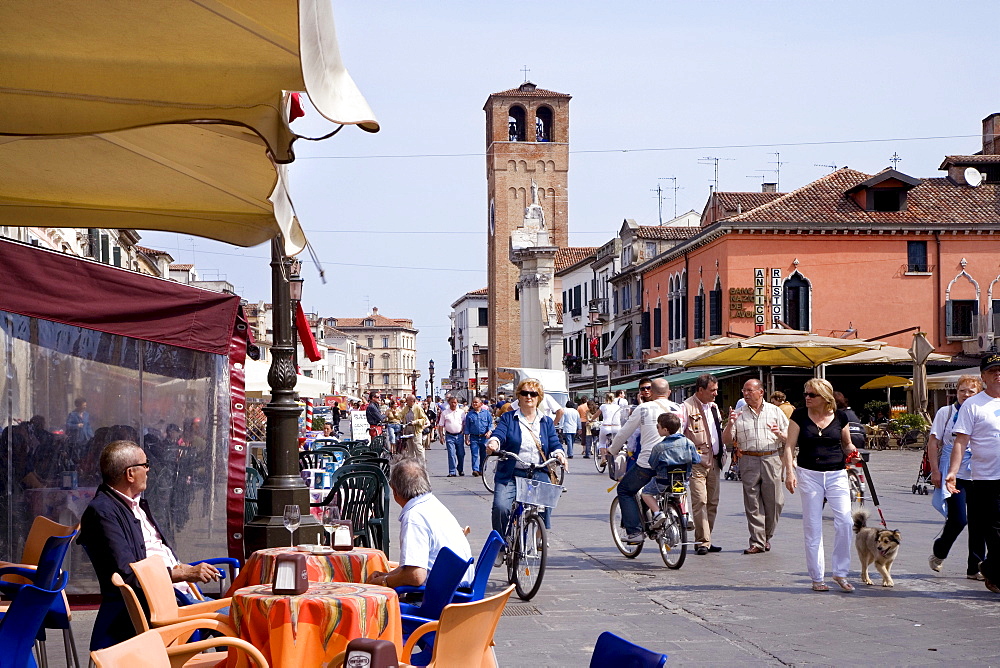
(656, 86)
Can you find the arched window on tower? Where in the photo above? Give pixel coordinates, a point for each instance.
(515, 124)
(543, 124)
(796, 302)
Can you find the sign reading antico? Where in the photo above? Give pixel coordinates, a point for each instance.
(766, 299)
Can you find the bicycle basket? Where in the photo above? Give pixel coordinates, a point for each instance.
(538, 493)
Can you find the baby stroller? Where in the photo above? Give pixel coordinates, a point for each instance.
(923, 484)
(733, 472)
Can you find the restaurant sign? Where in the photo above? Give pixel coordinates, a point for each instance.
(762, 302)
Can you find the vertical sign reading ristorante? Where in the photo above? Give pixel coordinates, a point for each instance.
(775, 297)
(759, 299)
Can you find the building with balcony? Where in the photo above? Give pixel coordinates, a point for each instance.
(388, 351)
(469, 333)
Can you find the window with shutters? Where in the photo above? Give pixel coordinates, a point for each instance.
(959, 316)
(796, 302)
(644, 330)
(715, 310)
(657, 326)
(699, 314)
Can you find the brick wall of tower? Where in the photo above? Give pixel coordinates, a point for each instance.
(510, 168)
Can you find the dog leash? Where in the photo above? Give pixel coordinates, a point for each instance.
(871, 487)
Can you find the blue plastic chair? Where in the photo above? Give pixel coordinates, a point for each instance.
(45, 576)
(611, 650)
(20, 625)
(491, 548)
(438, 590)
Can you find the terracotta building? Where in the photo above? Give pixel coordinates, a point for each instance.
(388, 347)
(527, 140)
(850, 254)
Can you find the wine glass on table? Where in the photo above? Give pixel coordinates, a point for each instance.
(292, 519)
(330, 516)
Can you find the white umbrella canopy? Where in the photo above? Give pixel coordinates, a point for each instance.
(781, 347)
(255, 382)
(163, 114)
(887, 355)
(682, 357)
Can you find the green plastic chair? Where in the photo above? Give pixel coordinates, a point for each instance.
(361, 491)
(254, 481)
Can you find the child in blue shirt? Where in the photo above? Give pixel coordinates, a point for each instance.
(673, 453)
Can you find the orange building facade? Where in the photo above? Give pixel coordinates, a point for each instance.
(850, 254)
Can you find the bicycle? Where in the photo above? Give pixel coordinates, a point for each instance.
(489, 470)
(525, 535)
(671, 537)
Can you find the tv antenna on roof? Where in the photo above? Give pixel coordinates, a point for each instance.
(713, 160)
(777, 170)
(832, 168)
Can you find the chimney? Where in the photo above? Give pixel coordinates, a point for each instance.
(769, 187)
(991, 128)
(374, 310)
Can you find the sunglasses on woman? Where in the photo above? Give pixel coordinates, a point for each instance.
(811, 395)
(528, 393)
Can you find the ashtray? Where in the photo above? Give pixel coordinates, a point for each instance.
(305, 548)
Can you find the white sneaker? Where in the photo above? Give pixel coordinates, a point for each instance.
(659, 519)
(935, 563)
(635, 538)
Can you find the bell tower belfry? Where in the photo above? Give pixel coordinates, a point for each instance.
(527, 149)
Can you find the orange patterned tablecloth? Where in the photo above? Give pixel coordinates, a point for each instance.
(354, 565)
(310, 629)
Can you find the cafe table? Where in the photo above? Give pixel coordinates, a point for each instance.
(354, 565)
(310, 629)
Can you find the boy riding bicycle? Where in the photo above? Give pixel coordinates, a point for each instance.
(674, 452)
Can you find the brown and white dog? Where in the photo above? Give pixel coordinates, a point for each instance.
(875, 546)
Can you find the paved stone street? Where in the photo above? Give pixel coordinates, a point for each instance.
(726, 608)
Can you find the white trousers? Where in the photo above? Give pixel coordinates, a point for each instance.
(608, 433)
(814, 486)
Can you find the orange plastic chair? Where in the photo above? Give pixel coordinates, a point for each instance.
(159, 592)
(464, 633)
(42, 528)
(138, 617)
(147, 650)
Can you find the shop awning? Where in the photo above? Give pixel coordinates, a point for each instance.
(618, 335)
(164, 115)
(685, 378)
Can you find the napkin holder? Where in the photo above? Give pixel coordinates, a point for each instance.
(371, 653)
(342, 539)
(290, 575)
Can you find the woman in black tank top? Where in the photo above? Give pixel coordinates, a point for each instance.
(824, 441)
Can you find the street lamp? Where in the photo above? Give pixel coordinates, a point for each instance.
(595, 327)
(413, 378)
(430, 370)
(475, 360)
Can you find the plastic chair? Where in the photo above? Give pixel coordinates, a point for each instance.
(22, 622)
(611, 650)
(148, 650)
(484, 565)
(438, 590)
(44, 573)
(371, 458)
(159, 592)
(362, 494)
(254, 481)
(231, 565)
(464, 634)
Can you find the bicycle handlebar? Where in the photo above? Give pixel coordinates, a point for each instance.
(504, 454)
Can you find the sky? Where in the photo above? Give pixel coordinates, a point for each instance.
(398, 218)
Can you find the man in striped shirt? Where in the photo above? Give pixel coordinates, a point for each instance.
(759, 432)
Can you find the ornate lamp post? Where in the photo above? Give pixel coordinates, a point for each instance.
(430, 370)
(413, 379)
(475, 360)
(595, 327)
(283, 485)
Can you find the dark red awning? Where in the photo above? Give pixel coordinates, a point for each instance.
(62, 288)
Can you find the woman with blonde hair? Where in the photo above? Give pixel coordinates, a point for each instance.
(823, 438)
(525, 432)
(939, 446)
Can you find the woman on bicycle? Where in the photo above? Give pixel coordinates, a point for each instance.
(526, 433)
(611, 422)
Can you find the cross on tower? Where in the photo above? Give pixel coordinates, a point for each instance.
(525, 70)
(894, 159)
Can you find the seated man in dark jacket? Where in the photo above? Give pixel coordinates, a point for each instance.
(118, 529)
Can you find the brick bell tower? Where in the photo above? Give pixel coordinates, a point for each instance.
(527, 139)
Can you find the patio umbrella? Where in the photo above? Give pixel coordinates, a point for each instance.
(886, 355)
(782, 348)
(682, 357)
(166, 114)
(887, 382)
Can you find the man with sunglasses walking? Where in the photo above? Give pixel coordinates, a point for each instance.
(118, 529)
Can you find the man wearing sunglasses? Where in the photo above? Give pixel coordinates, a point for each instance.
(118, 529)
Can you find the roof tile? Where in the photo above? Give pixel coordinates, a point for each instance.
(567, 257)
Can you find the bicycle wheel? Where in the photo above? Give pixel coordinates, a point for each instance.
(600, 462)
(618, 532)
(489, 471)
(857, 489)
(672, 538)
(530, 552)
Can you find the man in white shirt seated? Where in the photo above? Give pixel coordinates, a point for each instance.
(425, 526)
